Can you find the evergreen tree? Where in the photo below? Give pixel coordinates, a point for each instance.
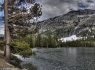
(38, 40)
(33, 41)
(20, 20)
(51, 41)
(45, 44)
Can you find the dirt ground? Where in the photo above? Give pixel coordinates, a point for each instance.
(6, 66)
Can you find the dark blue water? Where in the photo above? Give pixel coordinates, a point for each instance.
(63, 59)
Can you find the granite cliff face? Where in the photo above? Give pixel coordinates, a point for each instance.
(80, 22)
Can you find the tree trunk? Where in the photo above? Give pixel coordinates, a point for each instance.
(4, 50)
(4, 45)
(7, 32)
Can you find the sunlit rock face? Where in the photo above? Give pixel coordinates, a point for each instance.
(80, 23)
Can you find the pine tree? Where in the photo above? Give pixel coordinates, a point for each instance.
(38, 40)
(42, 41)
(17, 20)
(51, 41)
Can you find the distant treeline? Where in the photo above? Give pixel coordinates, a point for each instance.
(49, 41)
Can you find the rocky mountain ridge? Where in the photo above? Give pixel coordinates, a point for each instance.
(80, 22)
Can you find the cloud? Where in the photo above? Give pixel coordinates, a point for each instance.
(1, 28)
(52, 8)
(2, 13)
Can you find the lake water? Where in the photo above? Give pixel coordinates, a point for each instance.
(62, 59)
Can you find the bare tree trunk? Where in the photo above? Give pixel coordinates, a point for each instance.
(4, 45)
(4, 50)
(7, 32)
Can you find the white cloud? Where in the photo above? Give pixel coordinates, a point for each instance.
(1, 28)
(1, 13)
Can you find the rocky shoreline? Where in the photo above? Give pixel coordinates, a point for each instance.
(6, 66)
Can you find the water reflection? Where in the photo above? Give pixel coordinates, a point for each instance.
(63, 59)
(72, 54)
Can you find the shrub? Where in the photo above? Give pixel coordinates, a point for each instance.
(22, 48)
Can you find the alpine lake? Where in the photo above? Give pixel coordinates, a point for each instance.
(76, 58)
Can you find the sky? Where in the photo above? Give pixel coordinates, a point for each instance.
(52, 8)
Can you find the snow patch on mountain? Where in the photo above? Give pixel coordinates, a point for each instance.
(71, 38)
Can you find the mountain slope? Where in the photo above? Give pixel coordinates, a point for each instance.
(80, 22)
